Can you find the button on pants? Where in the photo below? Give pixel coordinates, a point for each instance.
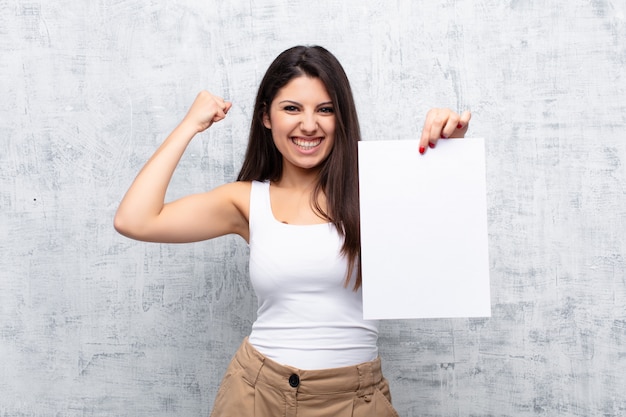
(255, 386)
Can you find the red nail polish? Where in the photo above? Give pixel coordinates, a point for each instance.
(431, 145)
(443, 136)
(459, 126)
(422, 150)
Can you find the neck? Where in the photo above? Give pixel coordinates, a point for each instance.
(299, 179)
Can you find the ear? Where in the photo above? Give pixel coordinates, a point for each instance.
(266, 120)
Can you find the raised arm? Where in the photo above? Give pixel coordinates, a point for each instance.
(143, 214)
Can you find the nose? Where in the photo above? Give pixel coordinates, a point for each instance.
(308, 123)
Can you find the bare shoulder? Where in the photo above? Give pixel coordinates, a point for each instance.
(238, 193)
(236, 197)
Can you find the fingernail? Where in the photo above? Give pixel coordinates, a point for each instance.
(422, 150)
(431, 145)
(459, 126)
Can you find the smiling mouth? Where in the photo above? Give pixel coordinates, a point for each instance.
(306, 143)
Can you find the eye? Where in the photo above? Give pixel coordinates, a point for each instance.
(329, 110)
(290, 108)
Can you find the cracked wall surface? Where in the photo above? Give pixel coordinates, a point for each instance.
(94, 324)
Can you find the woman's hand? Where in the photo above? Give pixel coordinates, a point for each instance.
(206, 110)
(443, 124)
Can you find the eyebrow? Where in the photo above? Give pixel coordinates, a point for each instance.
(326, 103)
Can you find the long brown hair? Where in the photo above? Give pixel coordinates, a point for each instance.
(338, 177)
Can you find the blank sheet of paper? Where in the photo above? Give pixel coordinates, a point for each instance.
(424, 245)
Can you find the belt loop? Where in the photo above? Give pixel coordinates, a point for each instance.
(366, 380)
(254, 365)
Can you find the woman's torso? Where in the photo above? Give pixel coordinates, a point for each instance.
(307, 318)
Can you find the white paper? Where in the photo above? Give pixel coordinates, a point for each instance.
(424, 246)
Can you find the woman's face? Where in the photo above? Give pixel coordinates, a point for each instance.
(302, 120)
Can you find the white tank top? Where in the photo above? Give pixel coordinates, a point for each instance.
(306, 317)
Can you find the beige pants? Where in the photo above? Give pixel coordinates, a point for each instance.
(255, 386)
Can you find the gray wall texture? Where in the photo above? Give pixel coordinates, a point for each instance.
(94, 324)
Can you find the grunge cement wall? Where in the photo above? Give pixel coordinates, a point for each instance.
(93, 324)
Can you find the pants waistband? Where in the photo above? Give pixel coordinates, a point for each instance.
(362, 378)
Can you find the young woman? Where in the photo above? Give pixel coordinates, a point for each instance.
(296, 203)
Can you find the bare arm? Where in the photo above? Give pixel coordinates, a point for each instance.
(143, 214)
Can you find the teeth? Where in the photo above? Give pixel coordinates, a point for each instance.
(308, 144)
